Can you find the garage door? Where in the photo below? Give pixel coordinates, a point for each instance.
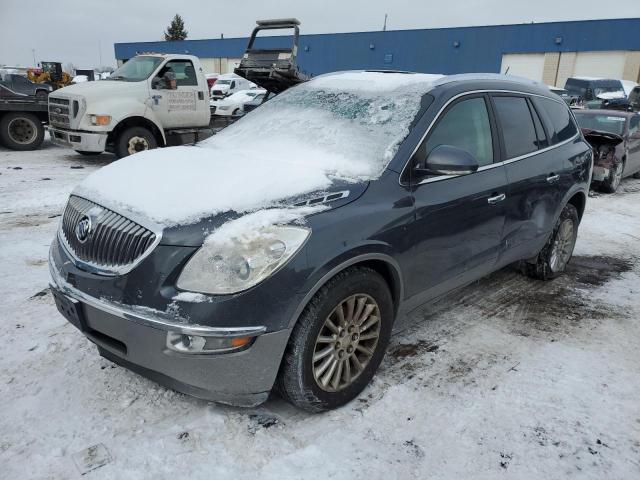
(599, 64)
(528, 65)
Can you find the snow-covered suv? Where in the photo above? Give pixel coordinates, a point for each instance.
(281, 250)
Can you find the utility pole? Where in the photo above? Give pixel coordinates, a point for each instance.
(384, 27)
(100, 53)
(33, 51)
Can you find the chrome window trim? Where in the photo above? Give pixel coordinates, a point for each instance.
(491, 165)
(110, 271)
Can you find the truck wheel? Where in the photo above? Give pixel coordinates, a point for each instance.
(41, 95)
(21, 131)
(555, 255)
(134, 140)
(88, 154)
(338, 342)
(610, 184)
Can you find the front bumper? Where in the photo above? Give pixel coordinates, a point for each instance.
(137, 340)
(83, 141)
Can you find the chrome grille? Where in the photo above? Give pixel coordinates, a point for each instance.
(113, 243)
(59, 111)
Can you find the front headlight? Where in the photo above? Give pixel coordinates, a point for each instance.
(225, 266)
(100, 120)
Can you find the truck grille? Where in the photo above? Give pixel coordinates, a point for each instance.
(112, 244)
(59, 111)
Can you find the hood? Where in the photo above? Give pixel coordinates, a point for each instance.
(611, 95)
(187, 190)
(107, 88)
(599, 137)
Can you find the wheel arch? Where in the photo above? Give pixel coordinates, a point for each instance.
(137, 121)
(579, 201)
(382, 263)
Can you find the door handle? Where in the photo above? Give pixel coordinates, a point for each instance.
(496, 199)
(553, 178)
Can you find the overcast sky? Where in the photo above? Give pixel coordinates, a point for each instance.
(83, 31)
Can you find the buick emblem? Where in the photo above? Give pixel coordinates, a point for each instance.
(83, 229)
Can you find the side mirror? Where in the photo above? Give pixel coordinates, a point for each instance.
(449, 160)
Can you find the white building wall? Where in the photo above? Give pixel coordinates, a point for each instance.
(608, 64)
(528, 65)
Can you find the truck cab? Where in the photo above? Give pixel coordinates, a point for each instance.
(153, 100)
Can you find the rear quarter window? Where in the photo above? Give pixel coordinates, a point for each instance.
(516, 124)
(557, 118)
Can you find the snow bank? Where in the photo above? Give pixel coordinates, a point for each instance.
(337, 127)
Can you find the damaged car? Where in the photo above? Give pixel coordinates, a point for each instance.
(279, 252)
(615, 138)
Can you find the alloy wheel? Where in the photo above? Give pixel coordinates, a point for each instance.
(562, 246)
(346, 342)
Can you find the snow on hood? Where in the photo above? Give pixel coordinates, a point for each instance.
(344, 127)
(611, 95)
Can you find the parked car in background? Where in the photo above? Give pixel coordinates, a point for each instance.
(590, 88)
(281, 250)
(615, 137)
(211, 80)
(628, 86)
(257, 101)
(634, 99)
(21, 84)
(564, 95)
(228, 84)
(234, 104)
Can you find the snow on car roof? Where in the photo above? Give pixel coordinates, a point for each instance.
(337, 127)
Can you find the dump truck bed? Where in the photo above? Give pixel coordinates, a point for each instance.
(274, 69)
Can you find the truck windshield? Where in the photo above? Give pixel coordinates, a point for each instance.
(136, 69)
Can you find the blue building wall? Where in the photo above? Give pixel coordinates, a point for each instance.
(479, 49)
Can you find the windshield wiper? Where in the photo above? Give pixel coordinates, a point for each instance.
(117, 77)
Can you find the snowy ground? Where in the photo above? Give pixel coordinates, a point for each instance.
(508, 378)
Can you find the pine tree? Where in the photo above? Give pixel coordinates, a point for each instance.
(176, 30)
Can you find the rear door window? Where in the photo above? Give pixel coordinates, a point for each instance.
(516, 123)
(465, 125)
(558, 119)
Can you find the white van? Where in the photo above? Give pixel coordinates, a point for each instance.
(228, 84)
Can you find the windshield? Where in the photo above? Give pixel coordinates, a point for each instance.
(605, 123)
(350, 125)
(136, 69)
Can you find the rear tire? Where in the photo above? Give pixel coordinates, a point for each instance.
(134, 140)
(21, 131)
(555, 255)
(352, 349)
(611, 184)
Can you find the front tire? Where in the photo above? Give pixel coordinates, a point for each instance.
(339, 341)
(21, 131)
(554, 257)
(134, 140)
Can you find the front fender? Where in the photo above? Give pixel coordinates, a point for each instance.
(363, 253)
